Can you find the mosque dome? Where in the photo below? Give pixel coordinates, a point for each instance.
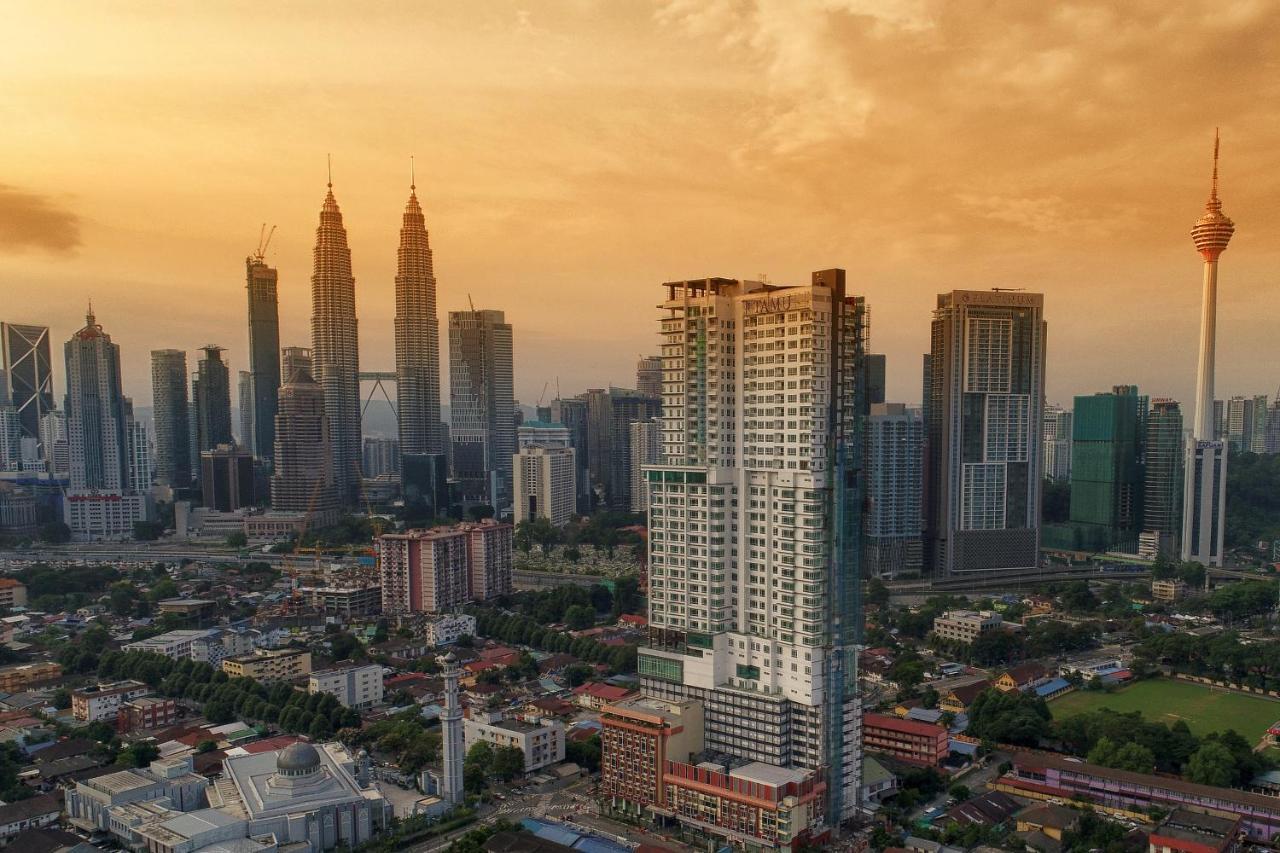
(297, 759)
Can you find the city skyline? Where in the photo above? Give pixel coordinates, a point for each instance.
(1027, 195)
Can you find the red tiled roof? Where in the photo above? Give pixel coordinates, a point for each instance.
(272, 743)
(898, 724)
(607, 692)
(633, 619)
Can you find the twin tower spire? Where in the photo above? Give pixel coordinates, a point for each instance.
(335, 340)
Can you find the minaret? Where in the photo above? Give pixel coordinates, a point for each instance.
(417, 337)
(1205, 483)
(451, 749)
(335, 347)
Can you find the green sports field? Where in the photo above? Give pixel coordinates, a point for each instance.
(1205, 709)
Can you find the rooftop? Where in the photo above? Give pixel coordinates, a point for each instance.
(768, 774)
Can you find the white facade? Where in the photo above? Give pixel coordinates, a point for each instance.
(102, 701)
(541, 743)
(743, 598)
(212, 645)
(646, 449)
(353, 686)
(545, 484)
(1056, 436)
(445, 630)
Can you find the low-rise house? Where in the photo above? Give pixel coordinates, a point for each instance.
(958, 699)
(594, 695)
(32, 813)
(1186, 831)
(1023, 677)
(914, 742)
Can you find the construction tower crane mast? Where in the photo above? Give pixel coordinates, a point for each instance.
(264, 240)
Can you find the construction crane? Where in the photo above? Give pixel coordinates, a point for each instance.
(543, 395)
(264, 240)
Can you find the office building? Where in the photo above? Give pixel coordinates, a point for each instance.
(10, 438)
(439, 570)
(649, 375)
(1106, 469)
(610, 414)
(541, 743)
(645, 449)
(245, 436)
(141, 467)
(1056, 435)
(1246, 424)
(101, 701)
(102, 803)
(26, 378)
(19, 511)
(292, 360)
(226, 478)
(264, 357)
(1204, 494)
(750, 611)
(268, 665)
(544, 484)
(353, 686)
(983, 416)
(894, 461)
(1162, 477)
(302, 479)
(381, 456)
(482, 406)
(54, 441)
(417, 337)
(171, 409)
(964, 626)
(543, 434)
(211, 396)
(874, 373)
(424, 484)
(1271, 438)
(335, 348)
(99, 503)
(572, 413)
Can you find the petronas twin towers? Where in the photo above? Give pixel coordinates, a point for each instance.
(335, 347)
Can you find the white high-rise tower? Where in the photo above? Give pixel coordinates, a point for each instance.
(1205, 483)
(451, 748)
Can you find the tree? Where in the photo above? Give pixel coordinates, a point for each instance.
(959, 791)
(124, 596)
(206, 746)
(138, 754)
(1211, 764)
(61, 698)
(480, 512)
(877, 593)
(1014, 717)
(508, 763)
(475, 767)
(577, 674)
(584, 753)
(579, 616)
(163, 589)
(237, 539)
(1123, 756)
(54, 533)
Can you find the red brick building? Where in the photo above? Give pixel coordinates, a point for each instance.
(150, 712)
(636, 739)
(914, 742)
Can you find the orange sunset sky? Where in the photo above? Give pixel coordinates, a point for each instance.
(573, 155)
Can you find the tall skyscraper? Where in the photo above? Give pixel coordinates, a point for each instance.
(264, 357)
(1240, 423)
(610, 414)
(751, 612)
(302, 479)
(293, 359)
(246, 410)
(544, 483)
(171, 410)
(99, 503)
(645, 441)
(894, 464)
(141, 467)
(54, 440)
(876, 369)
(1056, 439)
(211, 395)
(482, 405)
(26, 380)
(983, 419)
(417, 337)
(1258, 438)
(335, 347)
(649, 375)
(1271, 441)
(1205, 471)
(1162, 487)
(1106, 469)
(573, 413)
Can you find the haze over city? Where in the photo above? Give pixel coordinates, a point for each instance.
(571, 157)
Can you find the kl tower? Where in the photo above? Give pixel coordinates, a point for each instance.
(1205, 474)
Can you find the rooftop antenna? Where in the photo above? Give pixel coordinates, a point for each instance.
(329, 157)
(413, 182)
(1008, 289)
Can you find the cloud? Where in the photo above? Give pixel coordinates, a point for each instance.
(32, 221)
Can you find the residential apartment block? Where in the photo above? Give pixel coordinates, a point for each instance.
(268, 665)
(102, 701)
(965, 625)
(542, 742)
(914, 742)
(354, 686)
(439, 570)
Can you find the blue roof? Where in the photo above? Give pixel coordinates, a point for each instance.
(924, 715)
(964, 747)
(1052, 686)
(561, 834)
